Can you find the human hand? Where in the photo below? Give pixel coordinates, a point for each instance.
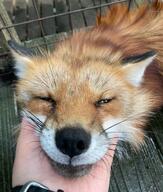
(31, 163)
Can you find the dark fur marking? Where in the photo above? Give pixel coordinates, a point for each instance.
(13, 45)
(138, 58)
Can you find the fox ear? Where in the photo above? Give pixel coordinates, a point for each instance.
(135, 66)
(22, 56)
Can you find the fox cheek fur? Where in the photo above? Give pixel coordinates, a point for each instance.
(90, 91)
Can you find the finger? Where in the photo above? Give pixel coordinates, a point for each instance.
(26, 157)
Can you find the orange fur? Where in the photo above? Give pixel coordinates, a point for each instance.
(144, 28)
(87, 67)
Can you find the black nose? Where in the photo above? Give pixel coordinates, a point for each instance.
(72, 141)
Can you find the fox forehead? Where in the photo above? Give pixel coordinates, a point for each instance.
(46, 76)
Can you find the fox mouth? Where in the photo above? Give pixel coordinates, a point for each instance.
(78, 160)
(71, 171)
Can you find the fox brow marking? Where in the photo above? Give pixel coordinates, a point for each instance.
(51, 71)
(38, 78)
(51, 81)
(37, 82)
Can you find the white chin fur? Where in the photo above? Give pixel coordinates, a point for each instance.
(47, 140)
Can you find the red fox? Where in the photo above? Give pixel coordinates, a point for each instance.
(95, 86)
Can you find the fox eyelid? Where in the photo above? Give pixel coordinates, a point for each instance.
(47, 99)
(103, 101)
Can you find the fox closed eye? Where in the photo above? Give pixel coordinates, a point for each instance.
(103, 101)
(53, 102)
(47, 99)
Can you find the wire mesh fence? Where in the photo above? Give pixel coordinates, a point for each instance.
(40, 23)
(31, 19)
(38, 18)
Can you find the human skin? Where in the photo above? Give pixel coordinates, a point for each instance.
(32, 164)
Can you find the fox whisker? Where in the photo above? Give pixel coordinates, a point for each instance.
(124, 120)
(40, 125)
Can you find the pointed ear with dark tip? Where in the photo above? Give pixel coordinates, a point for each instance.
(22, 56)
(135, 66)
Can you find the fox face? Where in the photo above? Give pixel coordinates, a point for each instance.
(80, 106)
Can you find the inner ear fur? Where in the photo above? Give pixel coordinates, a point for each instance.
(22, 56)
(135, 66)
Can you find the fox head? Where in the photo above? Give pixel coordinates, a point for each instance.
(81, 98)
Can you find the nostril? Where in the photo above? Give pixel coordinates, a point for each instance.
(72, 141)
(81, 145)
